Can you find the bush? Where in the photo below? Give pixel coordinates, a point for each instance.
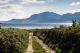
(13, 40)
(65, 39)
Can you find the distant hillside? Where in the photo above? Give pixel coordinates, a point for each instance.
(69, 17)
(47, 17)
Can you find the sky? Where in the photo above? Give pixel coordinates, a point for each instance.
(20, 9)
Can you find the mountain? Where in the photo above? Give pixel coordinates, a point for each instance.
(69, 17)
(47, 17)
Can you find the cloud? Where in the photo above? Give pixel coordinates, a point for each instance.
(73, 11)
(36, 1)
(33, 1)
(75, 4)
(10, 9)
(13, 11)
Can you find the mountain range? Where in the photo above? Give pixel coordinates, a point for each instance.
(47, 17)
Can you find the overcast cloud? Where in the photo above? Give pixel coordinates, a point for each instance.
(19, 9)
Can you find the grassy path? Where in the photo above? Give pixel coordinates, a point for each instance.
(37, 47)
(30, 49)
(48, 50)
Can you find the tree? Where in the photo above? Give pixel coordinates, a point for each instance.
(0, 25)
(79, 23)
(74, 23)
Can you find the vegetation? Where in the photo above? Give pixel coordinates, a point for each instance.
(36, 46)
(0, 25)
(63, 39)
(13, 40)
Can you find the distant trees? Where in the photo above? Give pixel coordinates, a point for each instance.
(0, 25)
(74, 23)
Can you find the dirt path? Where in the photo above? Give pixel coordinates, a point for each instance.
(30, 49)
(48, 50)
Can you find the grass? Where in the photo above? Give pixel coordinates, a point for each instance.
(36, 46)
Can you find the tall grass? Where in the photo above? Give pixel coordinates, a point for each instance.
(13, 40)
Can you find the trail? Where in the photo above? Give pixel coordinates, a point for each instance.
(30, 49)
(48, 50)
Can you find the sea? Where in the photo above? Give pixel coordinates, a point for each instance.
(35, 26)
